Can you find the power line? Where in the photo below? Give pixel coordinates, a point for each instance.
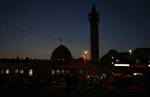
(28, 32)
(41, 35)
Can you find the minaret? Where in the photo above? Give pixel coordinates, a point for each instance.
(94, 20)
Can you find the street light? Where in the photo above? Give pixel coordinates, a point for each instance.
(85, 55)
(130, 51)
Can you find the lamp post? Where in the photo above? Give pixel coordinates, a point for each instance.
(85, 56)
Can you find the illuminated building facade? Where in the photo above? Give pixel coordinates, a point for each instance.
(127, 62)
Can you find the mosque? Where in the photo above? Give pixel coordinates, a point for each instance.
(62, 59)
(60, 63)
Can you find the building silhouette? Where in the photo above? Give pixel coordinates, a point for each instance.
(94, 20)
(62, 63)
(61, 55)
(138, 60)
(53, 70)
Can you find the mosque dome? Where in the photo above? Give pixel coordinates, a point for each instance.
(61, 53)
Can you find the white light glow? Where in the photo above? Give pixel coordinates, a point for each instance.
(130, 51)
(141, 74)
(121, 65)
(117, 60)
(148, 65)
(30, 72)
(7, 71)
(57, 71)
(85, 52)
(85, 55)
(53, 72)
(87, 76)
(16, 71)
(21, 71)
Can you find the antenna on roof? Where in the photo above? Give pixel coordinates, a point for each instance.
(60, 40)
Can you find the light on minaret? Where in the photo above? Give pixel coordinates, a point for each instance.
(94, 35)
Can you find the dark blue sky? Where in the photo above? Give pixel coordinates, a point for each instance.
(32, 28)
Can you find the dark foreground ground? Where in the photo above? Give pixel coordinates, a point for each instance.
(81, 92)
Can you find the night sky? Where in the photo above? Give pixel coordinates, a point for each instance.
(34, 28)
